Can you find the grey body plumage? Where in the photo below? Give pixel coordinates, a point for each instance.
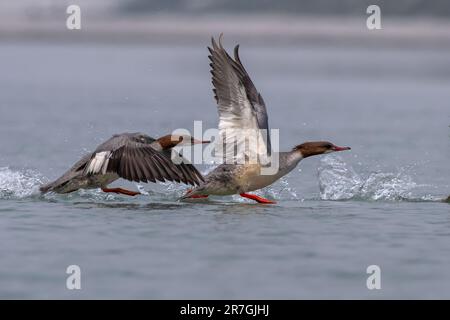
(228, 179)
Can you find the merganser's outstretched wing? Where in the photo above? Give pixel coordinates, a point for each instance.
(241, 107)
(132, 156)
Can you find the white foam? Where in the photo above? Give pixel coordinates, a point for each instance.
(19, 183)
(339, 181)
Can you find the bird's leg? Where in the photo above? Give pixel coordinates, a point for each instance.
(257, 198)
(197, 196)
(121, 191)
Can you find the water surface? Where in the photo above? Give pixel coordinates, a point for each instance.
(378, 204)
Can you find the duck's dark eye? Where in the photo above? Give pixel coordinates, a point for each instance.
(328, 145)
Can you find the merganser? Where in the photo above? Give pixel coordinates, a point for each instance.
(132, 156)
(241, 106)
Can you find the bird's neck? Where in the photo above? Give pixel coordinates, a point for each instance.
(288, 161)
(293, 157)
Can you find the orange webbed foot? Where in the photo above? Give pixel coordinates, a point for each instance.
(121, 191)
(257, 198)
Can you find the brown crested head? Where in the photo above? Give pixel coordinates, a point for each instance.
(314, 148)
(172, 140)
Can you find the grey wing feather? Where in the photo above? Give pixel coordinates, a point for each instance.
(225, 72)
(138, 161)
(253, 95)
(189, 170)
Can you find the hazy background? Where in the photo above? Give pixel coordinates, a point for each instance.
(412, 22)
(416, 8)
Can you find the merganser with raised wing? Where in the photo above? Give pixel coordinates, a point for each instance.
(242, 107)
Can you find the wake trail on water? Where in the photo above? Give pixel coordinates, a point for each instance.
(339, 181)
(25, 183)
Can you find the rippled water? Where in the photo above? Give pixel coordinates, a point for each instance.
(382, 203)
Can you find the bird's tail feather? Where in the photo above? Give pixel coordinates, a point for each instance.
(193, 193)
(47, 187)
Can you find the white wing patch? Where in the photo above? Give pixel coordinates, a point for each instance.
(99, 163)
(238, 125)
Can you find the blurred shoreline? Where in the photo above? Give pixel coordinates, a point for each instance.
(258, 29)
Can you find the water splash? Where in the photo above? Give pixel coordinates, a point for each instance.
(19, 184)
(281, 190)
(339, 181)
(142, 190)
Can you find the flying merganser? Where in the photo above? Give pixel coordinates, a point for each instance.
(132, 156)
(241, 106)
